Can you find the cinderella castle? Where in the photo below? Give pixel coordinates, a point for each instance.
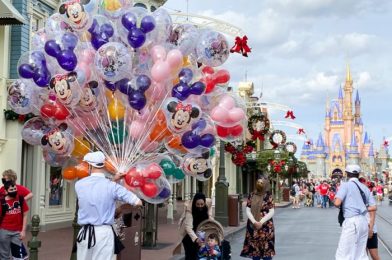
(344, 140)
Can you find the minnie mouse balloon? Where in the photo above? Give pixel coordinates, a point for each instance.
(212, 49)
(78, 13)
(198, 165)
(58, 140)
(66, 88)
(180, 115)
(113, 61)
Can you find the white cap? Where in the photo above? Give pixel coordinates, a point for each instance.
(95, 159)
(353, 168)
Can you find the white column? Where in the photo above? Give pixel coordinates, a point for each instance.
(187, 188)
(170, 209)
(194, 181)
(175, 197)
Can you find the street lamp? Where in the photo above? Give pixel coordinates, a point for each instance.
(277, 155)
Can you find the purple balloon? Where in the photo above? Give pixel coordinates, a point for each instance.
(52, 48)
(185, 75)
(147, 24)
(200, 124)
(124, 85)
(190, 140)
(110, 85)
(181, 91)
(69, 41)
(207, 140)
(26, 71)
(129, 21)
(197, 88)
(143, 82)
(165, 193)
(100, 34)
(136, 38)
(67, 60)
(137, 100)
(36, 69)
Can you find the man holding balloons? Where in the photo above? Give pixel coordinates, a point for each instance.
(97, 196)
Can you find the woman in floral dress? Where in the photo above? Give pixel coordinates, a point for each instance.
(259, 240)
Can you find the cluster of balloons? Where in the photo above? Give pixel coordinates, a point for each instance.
(104, 75)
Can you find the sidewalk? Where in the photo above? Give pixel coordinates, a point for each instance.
(57, 244)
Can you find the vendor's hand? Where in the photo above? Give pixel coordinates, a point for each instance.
(257, 225)
(22, 235)
(139, 204)
(118, 176)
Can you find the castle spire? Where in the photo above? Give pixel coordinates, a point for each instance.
(371, 150)
(366, 139)
(353, 141)
(340, 93)
(357, 100)
(348, 73)
(320, 141)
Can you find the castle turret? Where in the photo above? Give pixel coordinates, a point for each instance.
(353, 153)
(320, 157)
(347, 108)
(371, 161)
(357, 109)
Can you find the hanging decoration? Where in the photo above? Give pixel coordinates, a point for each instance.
(290, 114)
(301, 131)
(276, 166)
(241, 46)
(386, 144)
(258, 126)
(290, 147)
(277, 137)
(11, 115)
(239, 153)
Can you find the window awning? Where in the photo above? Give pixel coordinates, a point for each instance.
(9, 15)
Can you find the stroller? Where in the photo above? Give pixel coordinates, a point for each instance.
(212, 226)
(309, 200)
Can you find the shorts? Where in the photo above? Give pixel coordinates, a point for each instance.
(372, 243)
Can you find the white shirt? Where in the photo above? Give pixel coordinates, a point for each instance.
(97, 196)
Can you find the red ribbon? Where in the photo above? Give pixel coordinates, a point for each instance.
(241, 46)
(301, 131)
(386, 144)
(290, 114)
(180, 106)
(258, 135)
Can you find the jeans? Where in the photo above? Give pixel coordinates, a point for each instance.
(264, 258)
(324, 200)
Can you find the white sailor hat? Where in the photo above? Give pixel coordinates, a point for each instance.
(353, 168)
(95, 159)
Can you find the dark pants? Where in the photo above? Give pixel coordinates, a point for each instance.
(259, 258)
(191, 248)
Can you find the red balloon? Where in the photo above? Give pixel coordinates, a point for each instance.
(212, 78)
(150, 189)
(236, 130)
(222, 131)
(135, 182)
(133, 172)
(47, 110)
(153, 171)
(61, 112)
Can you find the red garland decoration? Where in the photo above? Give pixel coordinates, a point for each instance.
(277, 166)
(238, 156)
(241, 46)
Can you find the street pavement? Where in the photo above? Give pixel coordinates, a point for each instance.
(313, 233)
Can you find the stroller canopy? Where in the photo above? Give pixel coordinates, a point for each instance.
(211, 226)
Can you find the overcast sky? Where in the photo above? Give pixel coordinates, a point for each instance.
(300, 49)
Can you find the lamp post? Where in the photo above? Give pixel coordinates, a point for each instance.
(221, 190)
(277, 155)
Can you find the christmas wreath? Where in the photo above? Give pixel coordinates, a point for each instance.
(238, 154)
(258, 126)
(11, 115)
(277, 137)
(290, 147)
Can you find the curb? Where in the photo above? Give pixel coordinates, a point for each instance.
(284, 206)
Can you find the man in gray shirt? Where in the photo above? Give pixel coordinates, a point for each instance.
(357, 201)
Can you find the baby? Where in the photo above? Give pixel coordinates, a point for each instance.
(211, 250)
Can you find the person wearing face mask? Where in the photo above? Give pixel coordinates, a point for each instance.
(13, 219)
(195, 212)
(10, 175)
(259, 240)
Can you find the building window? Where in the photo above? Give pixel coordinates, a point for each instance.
(55, 187)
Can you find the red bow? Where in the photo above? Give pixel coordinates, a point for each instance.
(258, 135)
(301, 131)
(60, 77)
(386, 144)
(180, 106)
(241, 46)
(290, 114)
(277, 166)
(71, 3)
(308, 142)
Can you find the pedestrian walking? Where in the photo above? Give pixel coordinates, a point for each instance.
(10, 175)
(356, 201)
(259, 240)
(195, 212)
(13, 220)
(324, 188)
(296, 192)
(96, 197)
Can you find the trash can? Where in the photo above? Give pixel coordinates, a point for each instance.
(132, 228)
(233, 210)
(286, 194)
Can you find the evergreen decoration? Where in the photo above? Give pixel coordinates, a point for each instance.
(11, 115)
(277, 138)
(238, 154)
(290, 147)
(258, 126)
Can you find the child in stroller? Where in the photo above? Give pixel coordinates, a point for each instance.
(309, 199)
(216, 248)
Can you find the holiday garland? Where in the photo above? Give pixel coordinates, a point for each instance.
(258, 126)
(290, 147)
(11, 115)
(238, 154)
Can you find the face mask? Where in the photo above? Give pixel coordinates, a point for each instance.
(12, 194)
(3, 180)
(200, 209)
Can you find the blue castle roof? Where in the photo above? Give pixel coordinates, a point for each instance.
(340, 93)
(357, 100)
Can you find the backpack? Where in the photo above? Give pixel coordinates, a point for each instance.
(226, 250)
(4, 206)
(292, 191)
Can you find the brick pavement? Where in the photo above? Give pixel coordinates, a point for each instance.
(57, 244)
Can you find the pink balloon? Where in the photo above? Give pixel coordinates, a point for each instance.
(174, 58)
(160, 71)
(236, 114)
(219, 114)
(158, 52)
(136, 129)
(148, 146)
(157, 91)
(227, 102)
(144, 114)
